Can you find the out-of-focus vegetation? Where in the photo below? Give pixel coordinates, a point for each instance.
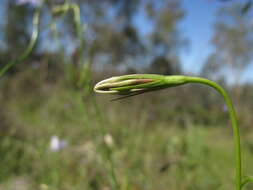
(56, 134)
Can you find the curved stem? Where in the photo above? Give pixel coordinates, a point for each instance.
(232, 114)
(28, 50)
(129, 85)
(86, 70)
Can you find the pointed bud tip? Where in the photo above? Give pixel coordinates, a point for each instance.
(125, 84)
(137, 83)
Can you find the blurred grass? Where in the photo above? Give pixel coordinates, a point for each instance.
(149, 151)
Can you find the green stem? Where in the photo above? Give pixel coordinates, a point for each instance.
(30, 46)
(232, 114)
(86, 69)
(129, 85)
(108, 151)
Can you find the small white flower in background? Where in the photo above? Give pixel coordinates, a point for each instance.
(57, 144)
(108, 140)
(224, 108)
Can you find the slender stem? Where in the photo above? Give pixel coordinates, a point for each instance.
(108, 151)
(129, 85)
(33, 40)
(232, 114)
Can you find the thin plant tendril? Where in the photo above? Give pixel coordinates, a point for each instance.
(28, 50)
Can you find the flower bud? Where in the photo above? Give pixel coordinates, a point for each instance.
(135, 84)
(129, 84)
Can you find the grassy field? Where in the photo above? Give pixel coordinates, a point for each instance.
(145, 150)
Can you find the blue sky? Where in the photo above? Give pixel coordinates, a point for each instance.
(197, 27)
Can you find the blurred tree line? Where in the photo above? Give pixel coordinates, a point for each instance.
(118, 33)
(126, 36)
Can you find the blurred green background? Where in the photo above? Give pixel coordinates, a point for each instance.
(56, 134)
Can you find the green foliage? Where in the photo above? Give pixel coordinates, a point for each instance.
(144, 148)
(125, 147)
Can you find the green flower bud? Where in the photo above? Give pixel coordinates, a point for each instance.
(137, 83)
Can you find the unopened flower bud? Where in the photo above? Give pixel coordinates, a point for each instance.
(135, 84)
